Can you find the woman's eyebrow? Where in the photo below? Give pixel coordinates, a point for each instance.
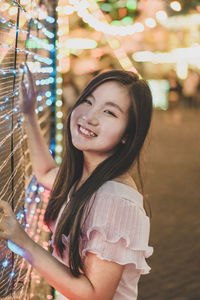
(110, 103)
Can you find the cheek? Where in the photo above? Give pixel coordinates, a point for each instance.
(115, 135)
(74, 116)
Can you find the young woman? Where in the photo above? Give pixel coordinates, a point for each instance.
(100, 228)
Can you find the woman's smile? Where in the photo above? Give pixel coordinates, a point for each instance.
(86, 132)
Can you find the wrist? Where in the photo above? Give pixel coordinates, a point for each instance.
(30, 117)
(29, 250)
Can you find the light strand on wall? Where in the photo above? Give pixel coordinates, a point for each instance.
(29, 16)
(37, 57)
(44, 99)
(59, 121)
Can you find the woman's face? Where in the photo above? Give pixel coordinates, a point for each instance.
(99, 122)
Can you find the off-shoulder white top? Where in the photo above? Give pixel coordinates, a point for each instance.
(116, 229)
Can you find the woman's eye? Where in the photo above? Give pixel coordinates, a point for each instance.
(86, 101)
(110, 113)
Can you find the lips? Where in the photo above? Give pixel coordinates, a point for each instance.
(86, 132)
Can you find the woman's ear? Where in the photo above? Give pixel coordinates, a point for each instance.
(124, 139)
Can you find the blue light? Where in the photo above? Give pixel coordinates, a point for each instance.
(5, 263)
(48, 33)
(28, 200)
(37, 199)
(34, 188)
(14, 248)
(41, 189)
(39, 98)
(18, 215)
(50, 19)
(48, 94)
(51, 79)
(46, 60)
(12, 274)
(15, 110)
(48, 102)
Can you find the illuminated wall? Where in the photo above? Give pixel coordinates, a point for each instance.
(27, 34)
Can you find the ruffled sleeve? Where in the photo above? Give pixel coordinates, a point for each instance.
(117, 229)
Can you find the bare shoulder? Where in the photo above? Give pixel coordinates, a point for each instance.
(126, 179)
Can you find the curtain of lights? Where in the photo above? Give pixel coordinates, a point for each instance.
(27, 34)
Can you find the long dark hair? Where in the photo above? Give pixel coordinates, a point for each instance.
(70, 171)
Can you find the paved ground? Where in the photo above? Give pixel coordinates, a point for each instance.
(172, 180)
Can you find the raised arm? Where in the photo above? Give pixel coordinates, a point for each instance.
(44, 166)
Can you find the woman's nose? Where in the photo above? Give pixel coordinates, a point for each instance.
(91, 118)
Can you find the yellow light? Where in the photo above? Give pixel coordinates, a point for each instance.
(114, 44)
(190, 55)
(97, 21)
(4, 6)
(139, 27)
(182, 69)
(59, 126)
(80, 43)
(142, 56)
(59, 92)
(84, 4)
(181, 21)
(175, 5)
(59, 114)
(161, 15)
(59, 137)
(59, 80)
(68, 10)
(24, 2)
(150, 22)
(59, 103)
(13, 11)
(58, 159)
(58, 69)
(58, 148)
(42, 14)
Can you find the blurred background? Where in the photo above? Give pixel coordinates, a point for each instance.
(65, 43)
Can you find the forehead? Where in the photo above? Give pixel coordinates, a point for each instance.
(113, 91)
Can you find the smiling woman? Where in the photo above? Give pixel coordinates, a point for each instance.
(95, 212)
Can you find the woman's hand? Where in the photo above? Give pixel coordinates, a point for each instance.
(28, 94)
(12, 231)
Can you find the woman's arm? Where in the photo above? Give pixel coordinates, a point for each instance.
(44, 166)
(103, 276)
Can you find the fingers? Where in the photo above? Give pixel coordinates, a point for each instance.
(30, 77)
(26, 70)
(24, 90)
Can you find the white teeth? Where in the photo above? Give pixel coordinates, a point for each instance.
(85, 131)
